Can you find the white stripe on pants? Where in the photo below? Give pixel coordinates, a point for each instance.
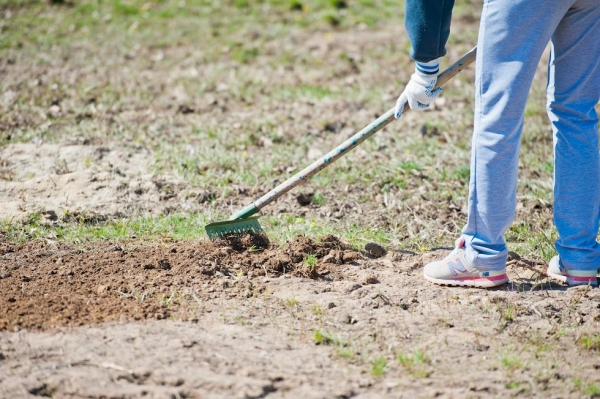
(512, 37)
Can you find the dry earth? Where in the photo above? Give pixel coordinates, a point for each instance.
(225, 320)
(83, 178)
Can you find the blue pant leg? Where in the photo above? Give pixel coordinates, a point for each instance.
(512, 37)
(573, 91)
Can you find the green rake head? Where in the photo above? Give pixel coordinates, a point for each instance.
(238, 226)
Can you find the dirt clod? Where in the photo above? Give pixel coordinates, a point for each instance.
(305, 199)
(369, 279)
(164, 264)
(244, 242)
(375, 250)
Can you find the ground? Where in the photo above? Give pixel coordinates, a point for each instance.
(126, 127)
(215, 320)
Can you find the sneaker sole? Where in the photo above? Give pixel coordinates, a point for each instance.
(572, 281)
(558, 277)
(476, 282)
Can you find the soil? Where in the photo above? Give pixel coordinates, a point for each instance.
(233, 319)
(45, 285)
(99, 181)
(84, 128)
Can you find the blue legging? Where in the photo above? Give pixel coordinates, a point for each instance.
(512, 37)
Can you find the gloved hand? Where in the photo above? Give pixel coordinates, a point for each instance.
(419, 92)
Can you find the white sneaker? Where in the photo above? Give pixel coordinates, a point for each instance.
(557, 271)
(455, 270)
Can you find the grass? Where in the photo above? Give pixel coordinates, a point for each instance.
(292, 302)
(82, 229)
(510, 360)
(343, 348)
(590, 342)
(322, 337)
(311, 261)
(513, 384)
(416, 363)
(589, 389)
(232, 97)
(378, 366)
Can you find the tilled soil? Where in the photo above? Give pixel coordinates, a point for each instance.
(44, 285)
(239, 318)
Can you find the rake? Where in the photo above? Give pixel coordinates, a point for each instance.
(242, 221)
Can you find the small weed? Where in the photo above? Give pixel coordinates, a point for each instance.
(239, 275)
(445, 323)
(562, 331)
(338, 4)
(462, 173)
(410, 166)
(311, 261)
(539, 342)
(254, 249)
(292, 302)
(378, 366)
(415, 363)
(511, 361)
(322, 338)
(589, 342)
(332, 19)
(167, 301)
(318, 199)
(406, 360)
(513, 384)
(421, 357)
(590, 389)
(508, 313)
(343, 352)
(241, 3)
(61, 167)
(317, 310)
(296, 5)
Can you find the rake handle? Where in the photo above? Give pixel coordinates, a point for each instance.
(346, 146)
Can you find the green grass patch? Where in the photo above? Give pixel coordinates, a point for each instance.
(378, 366)
(322, 337)
(310, 260)
(416, 363)
(589, 389)
(84, 228)
(511, 361)
(590, 342)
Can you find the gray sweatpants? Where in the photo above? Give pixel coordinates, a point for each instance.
(512, 37)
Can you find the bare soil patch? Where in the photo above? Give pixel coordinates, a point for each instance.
(85, 178)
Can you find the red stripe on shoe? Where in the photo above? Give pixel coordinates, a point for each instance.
(494, 278)
(587, 279)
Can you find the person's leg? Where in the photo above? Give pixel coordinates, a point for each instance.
(573, 91)
(512, 38)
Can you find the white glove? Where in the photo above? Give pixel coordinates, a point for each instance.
(419, 92)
